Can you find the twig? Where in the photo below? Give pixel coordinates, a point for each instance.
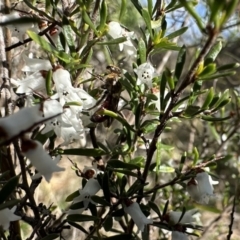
(232, 219)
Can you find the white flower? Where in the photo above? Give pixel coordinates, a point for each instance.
(34, 82)
(7, 216)
(179, 235)
(145, 73)
(39, 158)
(137, 215)
(174, 217)
(90, 189)
(35, 64)
(200, 188)
(116, 31)
(18, 29)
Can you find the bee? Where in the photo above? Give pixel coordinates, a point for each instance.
(110, 97)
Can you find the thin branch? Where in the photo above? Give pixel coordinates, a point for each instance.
(232, 219)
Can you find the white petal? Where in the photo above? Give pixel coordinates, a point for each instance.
(35, 64)
(33, 82)
(16, 123)
(39, 158)
(7, 216)
(137, 215)
(52, 108)
(114, 29)
(62, 79)
(187, 217)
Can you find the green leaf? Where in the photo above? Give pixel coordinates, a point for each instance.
(89, 21)
(215, 119)
(8, 188)
(213, 53)
(120, 164)
(191, 111)
(196, 156)
(77, 205)
(68, 34)
(177, 33)
(49, 83)
(137, 5)
(123, 9)
(100, 200)
(164, 146)
(147, 19)
(103, 16)
(142, 50)
(91, 152)
(124, 171)
(180, 62)
(108, 224)
(155, 208)
(138, 161)
(137, 185)
(190, 8)
(208, 99)
(72, 196)
(164, 169)
(51, 236)
(81, 218)
(208, 70)
(118, 117)
(78, 226)
(218, 75)
(165, 44)
(49, 48)
(229, 66)
(113, 41)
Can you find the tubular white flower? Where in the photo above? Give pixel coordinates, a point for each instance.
(200, 188)
(35, 64)
(179, 235)
(33, 82)
(174, 217)
(137, 215)
(39, 158)
(145, 73)
(7, 216)
(116, 31)
(90, 189)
